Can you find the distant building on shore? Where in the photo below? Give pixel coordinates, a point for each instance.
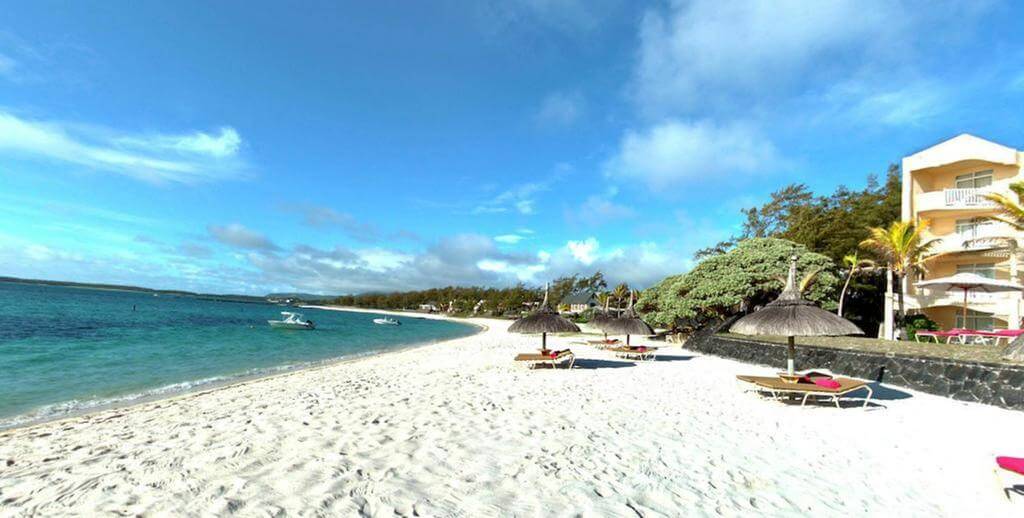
(944, 185)
(580, 301)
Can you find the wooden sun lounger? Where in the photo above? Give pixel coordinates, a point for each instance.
(778, 388)
(535, 359)
(635, 352)
(604, 344)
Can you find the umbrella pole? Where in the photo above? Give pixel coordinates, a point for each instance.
(627, 340)
(791, 356)
(965, 308)
(543, 343)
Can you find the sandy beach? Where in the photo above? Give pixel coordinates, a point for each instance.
(456, 429)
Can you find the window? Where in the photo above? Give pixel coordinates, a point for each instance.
(982, 269)
(974, 180)
(975, 320)
(972, 228)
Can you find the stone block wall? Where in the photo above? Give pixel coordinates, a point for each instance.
(993, 384)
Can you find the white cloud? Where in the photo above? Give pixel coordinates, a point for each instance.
(706, 51)
(188, 158)
(520, 198)
(222, 145)
(508, 239)
(560, 109)
(584, 251)
(239, 236)
(598, 210)
(676, 151)
(525, 207)
(910, 103)
(380, 259)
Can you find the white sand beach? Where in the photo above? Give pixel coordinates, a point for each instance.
(456, 429)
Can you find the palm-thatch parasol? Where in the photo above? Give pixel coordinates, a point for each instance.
(791, 316)
(545, 320)
(628, 324)
(602, 317)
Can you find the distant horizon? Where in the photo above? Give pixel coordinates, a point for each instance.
(132, 287)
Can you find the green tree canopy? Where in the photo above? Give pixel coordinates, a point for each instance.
(833, 225)
(750, 274)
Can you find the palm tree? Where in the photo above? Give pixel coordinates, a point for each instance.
(904, 250)
(621, 292)
(854, 265)
(1010, 212)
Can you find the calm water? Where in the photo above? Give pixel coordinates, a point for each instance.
(64, 350)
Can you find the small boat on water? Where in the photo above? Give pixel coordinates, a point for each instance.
(387, 321)
(291, 321)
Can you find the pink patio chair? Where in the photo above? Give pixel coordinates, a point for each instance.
(1013, 465)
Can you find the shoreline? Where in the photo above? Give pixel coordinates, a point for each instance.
(230, 381)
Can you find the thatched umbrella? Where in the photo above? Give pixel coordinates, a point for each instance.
(602, 317)
(791, 316)
(628, 324)
(545, 320)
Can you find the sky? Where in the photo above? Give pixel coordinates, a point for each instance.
(344, 147)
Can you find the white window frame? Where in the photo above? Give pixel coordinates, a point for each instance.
(972, 179)
(975, 320)
(971, 228)
(982, 269)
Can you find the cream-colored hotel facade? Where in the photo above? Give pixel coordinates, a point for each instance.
(944, 185)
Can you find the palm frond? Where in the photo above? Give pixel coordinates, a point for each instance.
(809, 279)
(1011, 212)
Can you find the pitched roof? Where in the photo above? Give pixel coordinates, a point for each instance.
(959, 148)
(580, 297)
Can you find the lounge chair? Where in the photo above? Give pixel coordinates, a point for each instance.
(777, 387)
(604, 344)
(936, 335)
(635, 352)
(552, 358)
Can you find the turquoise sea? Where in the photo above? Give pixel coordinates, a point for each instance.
(67, 350)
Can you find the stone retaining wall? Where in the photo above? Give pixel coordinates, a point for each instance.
(994, 384)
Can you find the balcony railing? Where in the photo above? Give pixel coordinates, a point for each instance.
(997, 302)
(966, 198)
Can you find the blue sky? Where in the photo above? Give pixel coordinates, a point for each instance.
(344, 147)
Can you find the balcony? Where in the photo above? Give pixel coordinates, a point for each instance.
(997, 303)
(954, 199)
(962, 241)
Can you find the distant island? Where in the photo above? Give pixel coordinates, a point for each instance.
(272, 298)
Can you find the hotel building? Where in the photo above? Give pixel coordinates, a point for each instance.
(944, 185)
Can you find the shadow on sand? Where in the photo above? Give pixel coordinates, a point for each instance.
(591, 363)
(883, 393)
(673, 358)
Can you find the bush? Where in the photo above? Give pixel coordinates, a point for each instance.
(915, 323)
(749, 275)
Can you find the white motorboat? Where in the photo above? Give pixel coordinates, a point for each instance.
(387, 321)
(291, 321)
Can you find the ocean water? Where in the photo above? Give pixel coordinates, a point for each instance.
(67, 350)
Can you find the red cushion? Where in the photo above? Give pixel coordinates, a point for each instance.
(1014, 464)
(827, 383)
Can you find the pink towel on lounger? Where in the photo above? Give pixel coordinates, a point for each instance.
(1014, 464)
(826, 382)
